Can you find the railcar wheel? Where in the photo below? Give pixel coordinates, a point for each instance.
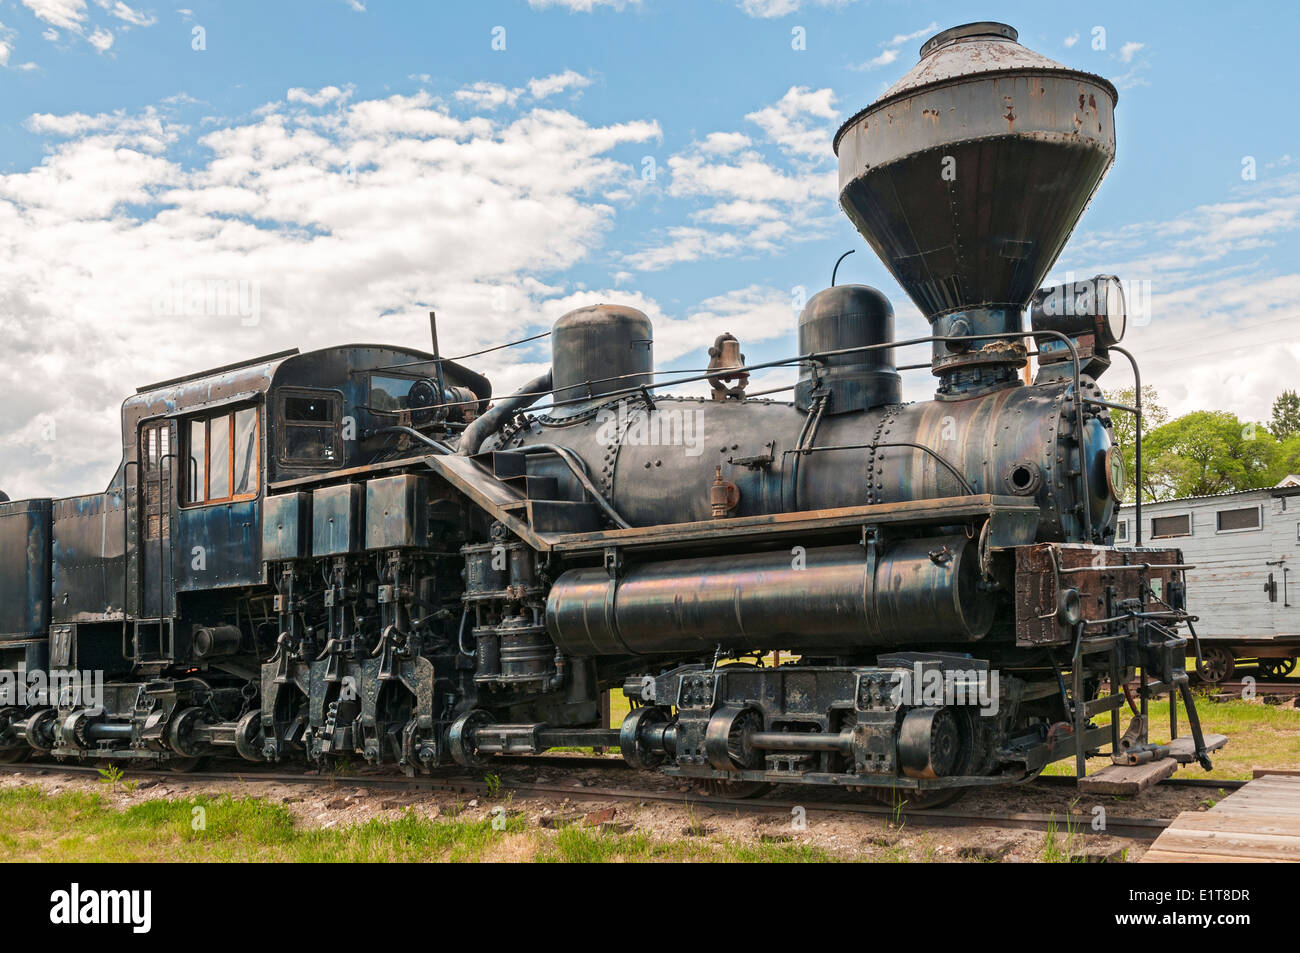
(731, 788)
(1217, 664)
(1276, 667)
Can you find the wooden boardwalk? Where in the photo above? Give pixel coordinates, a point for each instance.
(1260, 823)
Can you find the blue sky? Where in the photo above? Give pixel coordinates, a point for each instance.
(356, 164)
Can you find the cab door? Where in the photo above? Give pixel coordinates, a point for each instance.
(154, 525)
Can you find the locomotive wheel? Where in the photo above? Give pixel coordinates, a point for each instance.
(910, 800)
(461, 738)
(15, 754)
(248, 736)
(730, 788)
(186, 765)
(632, 742)
(1217, 664)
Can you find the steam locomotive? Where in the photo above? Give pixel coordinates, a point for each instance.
(356, 552)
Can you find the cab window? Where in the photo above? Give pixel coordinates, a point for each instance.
(310, 427)
(222, 456)
(391, 393)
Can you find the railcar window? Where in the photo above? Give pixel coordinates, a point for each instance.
(1238, 519)
(1164, 527)
(222, 457)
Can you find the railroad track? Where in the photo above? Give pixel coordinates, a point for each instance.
(1285, 686)
(1134, 828)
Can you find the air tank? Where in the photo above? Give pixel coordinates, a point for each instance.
(842, 318)
(600, 349)
(967, 177)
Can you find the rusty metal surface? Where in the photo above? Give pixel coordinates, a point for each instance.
(24, 569)
(1044, 570)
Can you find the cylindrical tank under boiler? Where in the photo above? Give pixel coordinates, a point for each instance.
(840, 318)
(915, 591)
(601, 349)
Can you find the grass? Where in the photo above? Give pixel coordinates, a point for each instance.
(76, 826)
(1258, 736)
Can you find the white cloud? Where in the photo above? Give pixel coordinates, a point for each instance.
(724, 143)
(484, 95)
(384, 207)
(328, 94)
(79, 19)
(892, 48)
(127, 14)
(357, 5)
(756, 203)
(1129, 50)
(101, 39)
(800, 122)
(766, 9)
(557, 83)
(1220, 319)
(583, 6)
(1070, 40)
(67, 14)
(6, 44)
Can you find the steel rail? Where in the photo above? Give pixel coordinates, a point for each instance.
(1133, 828)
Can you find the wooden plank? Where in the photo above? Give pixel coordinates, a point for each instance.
(1231, 843)
(1273, 773)
(1128, 778)
(1258, 823)
(1182, 749)
(1155, 856)
(1261, 824)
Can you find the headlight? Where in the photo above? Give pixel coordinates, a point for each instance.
(1092, 306)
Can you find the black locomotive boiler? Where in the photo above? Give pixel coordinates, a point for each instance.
(356, 552)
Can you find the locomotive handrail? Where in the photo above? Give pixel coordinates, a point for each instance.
(1137, 442)
(970, 490)
(412, 432)
(1148, 566)
(819, 357)
(575, 465)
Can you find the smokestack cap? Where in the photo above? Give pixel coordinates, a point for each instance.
(953, 34)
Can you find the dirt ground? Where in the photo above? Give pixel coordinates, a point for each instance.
(847, 835)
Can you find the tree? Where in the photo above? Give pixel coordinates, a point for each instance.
(1208, 451)
(1153, 415)
(1286, 415)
